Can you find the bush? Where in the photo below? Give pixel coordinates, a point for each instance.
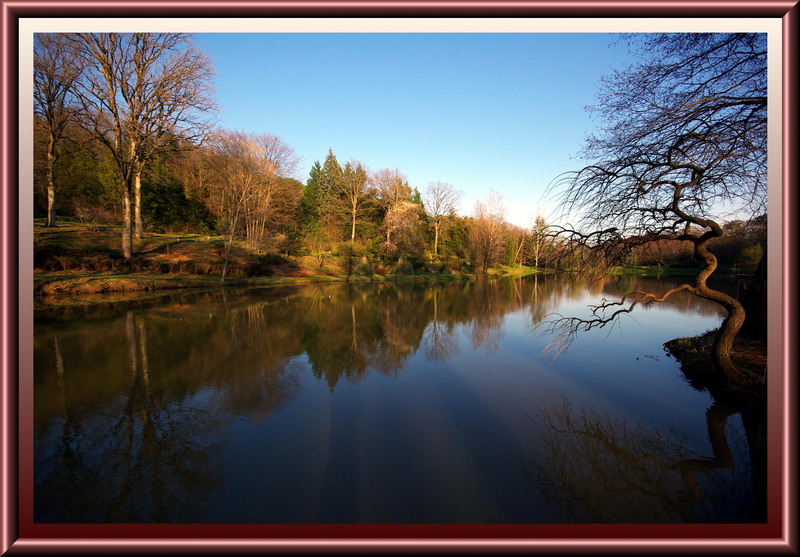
(90, 212)
(364, 268)
(457, 265)
(261, 266)
(438, 268)
(349, 253)
(403, 267)
(45, 258)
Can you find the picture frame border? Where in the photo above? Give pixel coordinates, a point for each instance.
(18, 533)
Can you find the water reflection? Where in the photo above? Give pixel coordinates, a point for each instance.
(155, 410)
(600, 468)
(142, 457)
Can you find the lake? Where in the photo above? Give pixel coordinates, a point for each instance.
(394, 402)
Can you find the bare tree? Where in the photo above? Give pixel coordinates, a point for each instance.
(683, 146)
(402, 229)
(281, 155)
(193, 169)
(142, 93)
(392, 190)
(355, 193)
(538, 239)
(239, 166)
(245, 189)
(520, 243)
(269, 204)
(440, 200)
(487, 232)
(55, 72)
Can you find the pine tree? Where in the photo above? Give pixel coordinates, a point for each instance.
(329, 195)
(309, 202)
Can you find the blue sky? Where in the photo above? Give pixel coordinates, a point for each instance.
(481, 111)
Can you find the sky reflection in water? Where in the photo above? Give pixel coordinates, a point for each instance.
(385, 403)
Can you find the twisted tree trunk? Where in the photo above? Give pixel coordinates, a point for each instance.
(723, 344)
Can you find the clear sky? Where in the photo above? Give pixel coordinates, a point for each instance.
(480, 111)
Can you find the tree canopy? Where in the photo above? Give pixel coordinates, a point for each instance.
(682, 147)
(683, 137)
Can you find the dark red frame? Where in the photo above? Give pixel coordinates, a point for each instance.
(18, 533)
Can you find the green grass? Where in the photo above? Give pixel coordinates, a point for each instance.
(79, 259)
(513, 270)
(653, 270)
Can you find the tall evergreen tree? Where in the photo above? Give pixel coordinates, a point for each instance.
(309, 202)
(330, 188)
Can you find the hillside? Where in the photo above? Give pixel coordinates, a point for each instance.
(77, 258)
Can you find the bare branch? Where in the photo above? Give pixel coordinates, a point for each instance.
(563, 330)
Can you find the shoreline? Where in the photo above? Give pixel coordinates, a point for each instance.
(51, 287)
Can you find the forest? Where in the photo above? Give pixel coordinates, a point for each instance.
(126, 145)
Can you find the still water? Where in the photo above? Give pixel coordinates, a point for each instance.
(383, 403)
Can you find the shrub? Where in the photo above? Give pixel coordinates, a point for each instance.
(403, 267)
(261, 266)
(364, 268)
(90, 212)
(349, 253)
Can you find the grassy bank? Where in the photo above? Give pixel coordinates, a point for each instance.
(78, 259)
(653, 271)
(678, 272)
(694, 356)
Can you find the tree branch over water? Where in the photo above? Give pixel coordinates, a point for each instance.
(682, 148)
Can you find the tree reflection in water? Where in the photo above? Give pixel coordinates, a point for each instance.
(147, 460)
(598, 467)
(135, 403)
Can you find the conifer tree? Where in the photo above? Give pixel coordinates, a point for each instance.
(309, 202)
(329, 195)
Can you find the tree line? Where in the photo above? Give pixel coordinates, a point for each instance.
(125, 133)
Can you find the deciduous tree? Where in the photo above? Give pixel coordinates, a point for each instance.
(440, 200)
(239, 166)
(142, 93)
(55, 72)
(539, 239)
(487, 232)
(682, 147)
(355, 193)
(393, 194)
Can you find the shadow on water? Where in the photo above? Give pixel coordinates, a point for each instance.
(600, 468)
(140, 408)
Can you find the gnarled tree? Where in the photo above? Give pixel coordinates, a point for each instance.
(682, 149)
